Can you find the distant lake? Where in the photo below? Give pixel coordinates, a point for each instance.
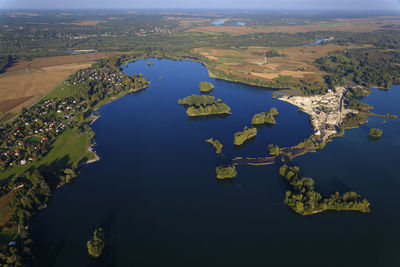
(155, 194)
(319, 41)
(220, 22)
(79, 51)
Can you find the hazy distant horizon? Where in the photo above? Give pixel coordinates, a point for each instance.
(356, 5)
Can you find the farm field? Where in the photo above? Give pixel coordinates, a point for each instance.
(340, 24)
(26, 81)
(295, 63)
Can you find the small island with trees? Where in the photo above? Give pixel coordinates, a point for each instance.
(375, 133)
(217, 144)
(273, 150)
(96, 244)
(303, 199)
(206, 87)
(240, 137)
(265, 117)
(225, 172)
(203, 105)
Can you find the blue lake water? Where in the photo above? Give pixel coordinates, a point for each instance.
(155, 194)
(319, 41)
(218, 22)
(78, 51)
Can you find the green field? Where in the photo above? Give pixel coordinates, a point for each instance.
(64, 90)
(280, 78)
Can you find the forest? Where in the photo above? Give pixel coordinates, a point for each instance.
(6, 61)
(303, 199)
(365, 67)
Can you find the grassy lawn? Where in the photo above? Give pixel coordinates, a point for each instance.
(68, 150)
(35, 139)
(65, 90)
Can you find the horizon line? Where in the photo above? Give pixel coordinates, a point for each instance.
(203, 8)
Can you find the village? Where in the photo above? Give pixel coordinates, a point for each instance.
(29, 136)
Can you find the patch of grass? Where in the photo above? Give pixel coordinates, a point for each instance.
(284, 77)
(64, 90)
(71, 146)
(35, 139)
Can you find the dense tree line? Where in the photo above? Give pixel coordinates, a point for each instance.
(273, 53)
(303, 199)
(366, 67)
(6, 61)
(32, 195)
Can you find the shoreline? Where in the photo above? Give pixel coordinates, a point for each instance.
(96, 157)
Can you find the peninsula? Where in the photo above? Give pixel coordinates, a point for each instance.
(327, 111)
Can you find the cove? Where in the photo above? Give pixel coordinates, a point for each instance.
(155, 194)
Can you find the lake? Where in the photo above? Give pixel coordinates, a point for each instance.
(155, 194)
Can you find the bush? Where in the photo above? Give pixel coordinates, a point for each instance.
(375, 133)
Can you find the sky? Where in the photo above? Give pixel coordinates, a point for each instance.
(209, 4)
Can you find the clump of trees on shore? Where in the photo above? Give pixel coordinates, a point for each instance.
(205, 87)
(375, 133)
(95, 245)
(224, 172)
(303, 199)
(202, 105)
(217, 144)
(265, 117)
(240, 137)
